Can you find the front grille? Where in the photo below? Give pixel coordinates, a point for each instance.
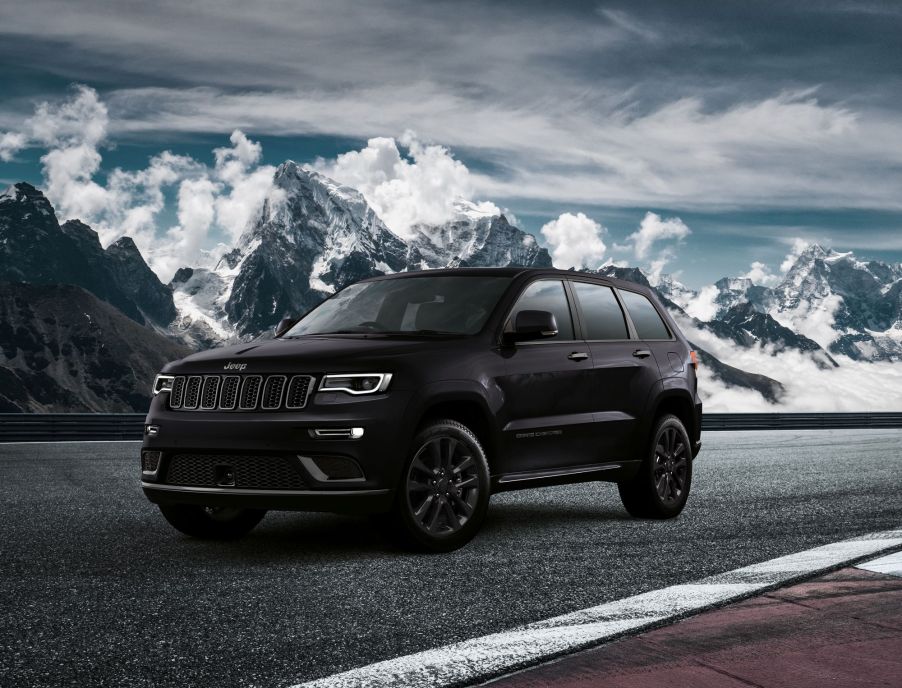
(210, 394)
(252, 472)
(240, 392)
(298, 389)
(250, 392)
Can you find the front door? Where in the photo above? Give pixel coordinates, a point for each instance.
(548, 415)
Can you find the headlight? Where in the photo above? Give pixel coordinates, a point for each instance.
(356, 383)
(162, 383)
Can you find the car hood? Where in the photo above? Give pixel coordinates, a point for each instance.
(304, 355)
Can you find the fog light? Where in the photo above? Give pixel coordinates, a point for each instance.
(150, 461)
(337, 433)
(151, 430)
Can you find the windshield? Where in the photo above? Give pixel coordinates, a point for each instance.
(449, 304)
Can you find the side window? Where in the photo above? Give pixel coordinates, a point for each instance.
(645, 317)
(604, 318)
(545, 295)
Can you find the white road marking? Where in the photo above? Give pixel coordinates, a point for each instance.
(890, 564)
(480, 659)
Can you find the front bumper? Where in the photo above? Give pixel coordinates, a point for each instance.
(379, 453)
(343, 501)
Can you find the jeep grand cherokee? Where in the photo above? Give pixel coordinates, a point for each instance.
(419, 395)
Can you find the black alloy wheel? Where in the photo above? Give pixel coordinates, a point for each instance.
(662, 482)
(671, 465)
(444, 491)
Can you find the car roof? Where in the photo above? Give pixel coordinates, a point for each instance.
(516, 272)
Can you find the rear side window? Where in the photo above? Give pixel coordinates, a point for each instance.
(545, 295)
(645, 317)
(602, 314)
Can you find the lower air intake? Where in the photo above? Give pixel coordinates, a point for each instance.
(252, 472)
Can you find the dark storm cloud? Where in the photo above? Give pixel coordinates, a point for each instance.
(682, 104)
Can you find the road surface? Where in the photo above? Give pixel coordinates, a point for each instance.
(98, 590)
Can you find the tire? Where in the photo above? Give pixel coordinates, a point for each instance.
(443, 494)
(211, 523)
(661, 486)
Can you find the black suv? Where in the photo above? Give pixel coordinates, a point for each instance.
(418, 395)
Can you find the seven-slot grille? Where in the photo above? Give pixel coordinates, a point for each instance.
(240, 392)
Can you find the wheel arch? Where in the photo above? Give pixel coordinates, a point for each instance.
(467, 408)
(678, 403)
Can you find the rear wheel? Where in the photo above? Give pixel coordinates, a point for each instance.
(444, 491)
(212, 522)
(661, 486)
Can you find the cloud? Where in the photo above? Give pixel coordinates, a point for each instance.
(760, 273)
(798, 247)
(421, 187)
(703, 306)
(654, 229)
(129, 202)
(248, 182)
(11, 142)
(540, 102)
(853, 386)
(575, 241)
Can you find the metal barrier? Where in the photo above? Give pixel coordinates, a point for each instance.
(43, 427)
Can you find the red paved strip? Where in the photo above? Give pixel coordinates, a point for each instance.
(843, 629)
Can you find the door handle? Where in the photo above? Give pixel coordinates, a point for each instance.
(642, 353)
(578, 356)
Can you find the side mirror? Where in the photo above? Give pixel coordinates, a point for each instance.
(284, 325)
(533, 325)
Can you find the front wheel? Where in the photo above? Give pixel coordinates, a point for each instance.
(444, 491)
(212, 522)
(661, 486)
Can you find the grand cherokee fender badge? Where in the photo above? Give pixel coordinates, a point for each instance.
(234, 366)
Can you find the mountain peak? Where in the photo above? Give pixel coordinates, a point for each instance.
(816, 252)
(125, 244)
(23, 192)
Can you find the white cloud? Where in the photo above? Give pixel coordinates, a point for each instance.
(420, 188)
(760, 273)
(798, 246)
(853, 386)
(196, 213)
(575, 241)
(249, 184)
(129, 202)
(11, 142)
(703, 306)
(814, 318)
(654, 229)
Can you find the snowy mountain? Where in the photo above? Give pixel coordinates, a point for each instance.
(35, 248)
(313, 237)
(474, 238)
(845, 305)
(824, 337)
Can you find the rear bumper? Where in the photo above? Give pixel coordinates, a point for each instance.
(343, 501)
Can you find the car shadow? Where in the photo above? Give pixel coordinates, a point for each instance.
(533, 515)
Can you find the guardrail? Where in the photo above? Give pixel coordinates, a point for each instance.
(43, 427)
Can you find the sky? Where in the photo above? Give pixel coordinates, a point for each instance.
(694, 138)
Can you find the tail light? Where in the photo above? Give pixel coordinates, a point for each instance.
(693, 358)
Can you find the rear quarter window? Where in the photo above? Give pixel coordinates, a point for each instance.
(644, 315)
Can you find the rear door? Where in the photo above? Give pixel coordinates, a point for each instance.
(623, 373)
(547, 389)
(654, 333)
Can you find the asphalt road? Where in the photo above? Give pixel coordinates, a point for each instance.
(97, 589)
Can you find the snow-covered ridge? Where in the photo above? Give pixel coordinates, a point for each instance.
(313, 236)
